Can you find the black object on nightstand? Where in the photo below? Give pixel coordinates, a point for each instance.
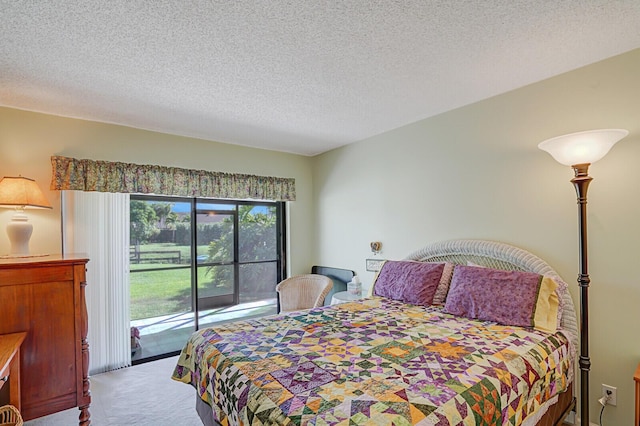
(339, 276)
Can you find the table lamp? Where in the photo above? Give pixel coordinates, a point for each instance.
(21, 193)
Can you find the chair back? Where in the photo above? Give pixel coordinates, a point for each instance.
(303, 292)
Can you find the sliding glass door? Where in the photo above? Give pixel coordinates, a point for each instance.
(239, 257)
(196, 262)
(215, 237)
(258, 252)
(160, 274)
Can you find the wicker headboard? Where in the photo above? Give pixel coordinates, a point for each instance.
(501, 256)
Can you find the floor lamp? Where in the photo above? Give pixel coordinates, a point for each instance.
(579, 150)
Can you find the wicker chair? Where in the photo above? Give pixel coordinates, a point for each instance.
(303, 292)
(10, 416)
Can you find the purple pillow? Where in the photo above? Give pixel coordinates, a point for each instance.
(409, 281)
(505, 297)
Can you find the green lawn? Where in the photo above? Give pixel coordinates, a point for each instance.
(157, 293)
(166, 292)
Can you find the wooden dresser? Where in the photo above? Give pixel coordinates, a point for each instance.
(45, 297)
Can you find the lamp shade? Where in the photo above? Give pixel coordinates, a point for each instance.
(21, 192)
(582, 147)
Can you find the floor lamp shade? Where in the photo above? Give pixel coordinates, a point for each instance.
(21, 193)
(582, 147)
(579, 150)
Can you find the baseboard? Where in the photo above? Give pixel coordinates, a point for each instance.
(576, 422)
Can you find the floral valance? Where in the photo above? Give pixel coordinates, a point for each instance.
(106, 176)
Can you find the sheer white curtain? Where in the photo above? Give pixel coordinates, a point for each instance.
(97, 223)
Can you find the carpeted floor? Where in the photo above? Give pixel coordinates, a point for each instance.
(139, 395)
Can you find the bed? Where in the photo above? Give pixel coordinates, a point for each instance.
(385, 361)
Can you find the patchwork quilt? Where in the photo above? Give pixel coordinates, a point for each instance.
(375, 361)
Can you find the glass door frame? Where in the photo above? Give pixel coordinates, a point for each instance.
(281, 236)
(236, 283)
(193, 202)
(237, 263)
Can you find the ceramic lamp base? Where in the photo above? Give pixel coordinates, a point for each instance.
(19, 231)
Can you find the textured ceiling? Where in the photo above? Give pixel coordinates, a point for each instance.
(300, 76)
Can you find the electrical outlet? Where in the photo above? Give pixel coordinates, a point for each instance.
(609, 392)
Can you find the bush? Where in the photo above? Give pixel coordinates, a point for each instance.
(207, 232)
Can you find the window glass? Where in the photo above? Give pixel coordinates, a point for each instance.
(195, 263)
(257, 235)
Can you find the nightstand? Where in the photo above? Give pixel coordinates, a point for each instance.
(344, 296)
(10, 365)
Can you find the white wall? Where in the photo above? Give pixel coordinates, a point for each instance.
(476, 172)
(28, 140)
